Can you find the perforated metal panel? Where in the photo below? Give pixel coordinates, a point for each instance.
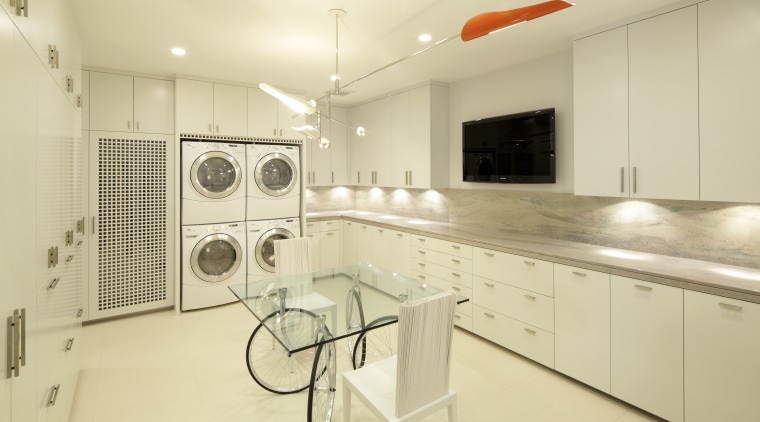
(131, 226)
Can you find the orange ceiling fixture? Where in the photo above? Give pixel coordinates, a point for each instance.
(487, 23)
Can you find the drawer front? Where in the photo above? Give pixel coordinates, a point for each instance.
(312, 227)
(489, 264)
(522, 305)
(448, 274)
(463, 321)
(444, 246)
(530, 274)
(329, 225)
(465, 308)
(451, 261)
(525, 339)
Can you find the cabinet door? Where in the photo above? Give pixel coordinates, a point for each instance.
(230, 110)
(400, 139)
(400, 253)
(329, 243)
(339, 147)
(348, 237)
(360, 152)
(600, 94)
(381, 246)
(582, 325)
(316, 250)
(420, 138)
(262, 114)
(378, 134)
(287, 119)
(154, 106)
(664, 114)
(647, 346)
(195, 106)
(111, 102)
(721, 346)
(728, 69)
(86, 100)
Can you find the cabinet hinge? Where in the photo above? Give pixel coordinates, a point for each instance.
(69, 84)
(22, 7)
(69, 237)
(53, 56)
(79, 101)
(52, 256)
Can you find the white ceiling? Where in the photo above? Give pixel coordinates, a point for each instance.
(291, 43)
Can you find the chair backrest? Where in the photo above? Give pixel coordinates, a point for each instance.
(293, 265)
(425, 330)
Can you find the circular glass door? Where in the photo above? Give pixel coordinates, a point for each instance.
(216, 257)
(276, 174)
(265, 248)
(216, 174)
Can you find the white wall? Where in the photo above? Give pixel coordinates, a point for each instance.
(543, 83)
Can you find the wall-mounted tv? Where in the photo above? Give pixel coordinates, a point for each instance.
(515, 148)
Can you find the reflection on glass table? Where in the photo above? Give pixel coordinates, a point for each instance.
(302, 315)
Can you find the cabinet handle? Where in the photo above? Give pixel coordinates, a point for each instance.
(280, 133)
(730, 306)
(421, 277)
(380, 230)
(80, 312)
(69, 344)
(420, 239)
(455, 288)
(529, 297)
(456, 261)
(647, 288)
(274, 132)
(410, 178)
(332, 177)
(622, 179)
(529, 331)
(634, 180)
(488, 315)
(457, 247)
(457, 316)
(421, 252)
(53, 283)
(487, 253)
(488, 284)
(358, 177)
(129, 125)
(53, 395)
(137, 125)
(529, 263)
(406, 178)
(579, 274)
(330, 233)
(210, 129)
(456, 274)
(420, 264)
(217, 128)
(400, 234)
(94, 226)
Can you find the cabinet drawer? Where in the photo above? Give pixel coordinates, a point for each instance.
(463, 321)
(525, 339)
(329, 225)
(448, 274)
(526, 273)
(522, 305)
(465, 308)
(444, 246)
(312, 227)
(451, 261)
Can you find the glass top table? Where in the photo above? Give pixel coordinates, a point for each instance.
(344, 300)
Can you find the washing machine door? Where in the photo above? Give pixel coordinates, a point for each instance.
(265, 247)
(216, 257)
(275, 174)
(216, 174)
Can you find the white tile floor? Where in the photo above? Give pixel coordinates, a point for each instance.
(191, 367)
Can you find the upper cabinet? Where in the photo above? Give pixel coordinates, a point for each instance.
(729, 42)
(269, 118)
(124, 103)
(209, 108)
(328, 167)
(407, 140)
(636, 110)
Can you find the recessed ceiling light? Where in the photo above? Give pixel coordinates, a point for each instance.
(425, 37)
(177, 51)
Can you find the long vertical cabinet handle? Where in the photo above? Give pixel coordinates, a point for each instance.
(622, 179)
(129, 125)
(94, 225)
(16, 337)
(332, 177)
(22, 331)
(54, 395)
(634, 180)
(410, 178)
(358, 177)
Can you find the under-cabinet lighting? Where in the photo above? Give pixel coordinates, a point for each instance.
(178, 51)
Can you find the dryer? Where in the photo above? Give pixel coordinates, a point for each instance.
(213, 182)
(261, 237)
(274, 187)
(213, 258)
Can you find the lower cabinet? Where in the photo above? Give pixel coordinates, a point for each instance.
(525, 339)
(582, 325)
(647, 347)
(325, 243)
(721, 365)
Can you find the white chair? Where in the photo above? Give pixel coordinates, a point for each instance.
(293, 268)
(414, 383)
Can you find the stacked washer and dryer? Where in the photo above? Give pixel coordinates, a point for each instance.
(237, 199)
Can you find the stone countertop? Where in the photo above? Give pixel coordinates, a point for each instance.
(724, 280)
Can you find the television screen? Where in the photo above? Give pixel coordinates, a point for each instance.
(515, 148)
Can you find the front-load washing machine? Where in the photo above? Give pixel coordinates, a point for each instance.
(261, 237)
(213, 182)
(274, 188)
(213, 258)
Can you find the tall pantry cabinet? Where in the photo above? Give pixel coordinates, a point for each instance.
(43, 242)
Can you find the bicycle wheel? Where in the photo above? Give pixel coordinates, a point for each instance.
(354, 318)
(378, 343)
(322, 392)
(270, 364)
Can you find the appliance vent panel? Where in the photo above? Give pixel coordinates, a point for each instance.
(132, 223)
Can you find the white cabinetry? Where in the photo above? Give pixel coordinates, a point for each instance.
(123, 103)
(513, 303)
(211, 108)
(325, 243)
(729, 100)
(647, 346)
(582, 325)
(270, 118)
(371, 154)
(636, 109)
(348, 235)
(328, 167)
(400, 259)
(721, 344)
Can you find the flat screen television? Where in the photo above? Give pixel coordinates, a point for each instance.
(515, 148)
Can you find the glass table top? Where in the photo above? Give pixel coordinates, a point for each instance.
(331, 304)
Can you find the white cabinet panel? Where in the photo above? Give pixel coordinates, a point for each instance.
(269, 118)
(195, 106)
(328, 167)
(721, 344)
(582, 325)
(525, 339)
(400, 260)
(371, 154)
(530, 274)
(729, 100)
(153, 106)
(348, 234)
(230, 110)
(86, 100)
(600, 94)
(330, 249)
(647, 348)
(664, 119)
(111, 102)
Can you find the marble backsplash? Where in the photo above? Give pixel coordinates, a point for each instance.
(726, 233)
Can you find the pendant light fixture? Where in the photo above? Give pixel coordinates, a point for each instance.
(475, 27)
